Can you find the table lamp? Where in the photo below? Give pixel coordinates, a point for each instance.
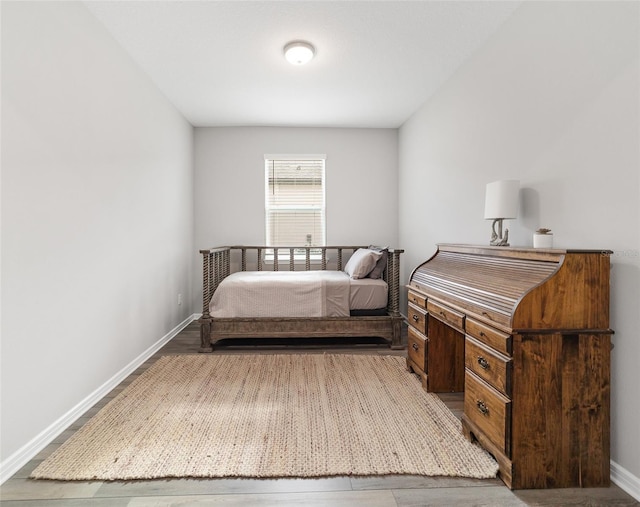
(501, 202)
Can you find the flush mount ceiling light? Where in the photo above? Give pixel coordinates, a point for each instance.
(299, 52)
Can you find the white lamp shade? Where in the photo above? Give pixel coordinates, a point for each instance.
(501, 199)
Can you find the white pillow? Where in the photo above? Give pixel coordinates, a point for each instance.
(362, 262)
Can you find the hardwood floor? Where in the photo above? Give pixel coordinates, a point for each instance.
(387, 491)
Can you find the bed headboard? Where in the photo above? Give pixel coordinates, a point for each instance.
(216, 265)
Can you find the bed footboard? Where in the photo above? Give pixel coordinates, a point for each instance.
(217, 264)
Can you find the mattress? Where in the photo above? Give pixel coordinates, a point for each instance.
(295, 294)
(367, 294)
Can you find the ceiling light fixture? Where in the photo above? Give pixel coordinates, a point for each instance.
(299, 52)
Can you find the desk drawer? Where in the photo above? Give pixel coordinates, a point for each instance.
(490, 366)
(447, 315)
(489, 410)
(418, 300)
(417, 318)
(489, 336)
(417, 348)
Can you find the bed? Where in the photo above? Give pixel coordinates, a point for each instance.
(300, 292)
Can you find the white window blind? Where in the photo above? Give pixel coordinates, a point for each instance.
(295, 201)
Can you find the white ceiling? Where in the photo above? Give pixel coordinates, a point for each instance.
(221, 63)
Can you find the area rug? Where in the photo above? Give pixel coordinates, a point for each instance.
(274, 415)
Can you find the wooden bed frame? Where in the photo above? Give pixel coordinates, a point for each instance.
(217, 264)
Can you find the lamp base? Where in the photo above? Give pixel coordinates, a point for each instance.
(500, 242)
(496, 237)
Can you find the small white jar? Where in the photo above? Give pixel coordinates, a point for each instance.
(541, 240)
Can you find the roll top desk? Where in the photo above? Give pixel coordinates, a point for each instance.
(525, 333)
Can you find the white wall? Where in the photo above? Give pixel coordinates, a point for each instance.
(361, 179)
(97, 214)
(552, 100)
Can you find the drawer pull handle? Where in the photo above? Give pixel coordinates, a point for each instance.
(442, 313)
(415, 346)
(482, 334)
(415, 318)
(484, 364)
(482, 407)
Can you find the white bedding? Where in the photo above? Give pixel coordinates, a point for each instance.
(282, 294)
(295, 294)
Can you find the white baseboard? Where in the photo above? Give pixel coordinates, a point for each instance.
(26, 453)
(625, 480)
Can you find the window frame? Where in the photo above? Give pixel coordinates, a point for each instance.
(283, 252)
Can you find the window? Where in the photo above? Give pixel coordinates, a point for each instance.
(295, 200)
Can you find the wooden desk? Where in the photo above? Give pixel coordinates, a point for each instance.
(525, 333)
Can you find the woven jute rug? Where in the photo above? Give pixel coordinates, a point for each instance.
(270, 416)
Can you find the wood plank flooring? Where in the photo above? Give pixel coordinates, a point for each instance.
(387, 491)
